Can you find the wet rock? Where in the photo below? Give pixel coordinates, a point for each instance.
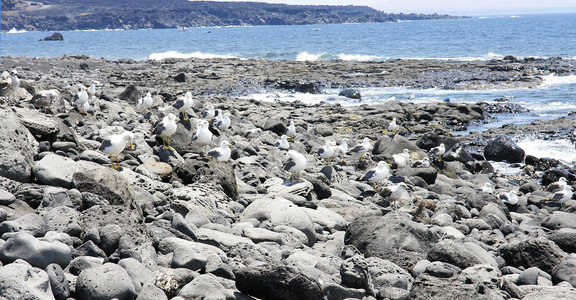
(56, 36)
(351, 93)
(503, 149)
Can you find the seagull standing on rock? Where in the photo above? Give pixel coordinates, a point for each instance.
(203, 136)
(393, 125)
(342, 149)
(80, 99)
(362, 148)
(296, 163)
(377, 174)
(510, 198)
(145, 103)
(282, 143)
(291, 130)
(401, 159)
(92, 90)
(221, 153)
(184, 104)
(561, 196)
(423, 163)
(114, 144)
(438, 151)
(327, 152)
(209, 113)
(224, 122)
(14, 85)
(166, 128)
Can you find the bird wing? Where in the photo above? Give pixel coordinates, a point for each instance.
(214, 153)
(178, 104)
(289, 165)
(357, 148)
(159, 128)
(321, 151)
(106, 143)
(368, 175)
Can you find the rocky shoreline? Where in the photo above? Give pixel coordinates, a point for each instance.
(171, 224)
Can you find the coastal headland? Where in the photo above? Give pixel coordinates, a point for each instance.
(178, 224)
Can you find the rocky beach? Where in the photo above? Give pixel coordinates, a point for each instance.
(177, 224)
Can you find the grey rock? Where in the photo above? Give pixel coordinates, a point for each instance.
(483, 274)
(528, 276)
(63, 219)
(141, 276)
(94, 156)
(455, 287)
(275, 125)
(171, 281)
(110, 237)
(503, 149)
(340, 292)
(6, 198)
(179, 223)
(393, 237)
(19, 280)
(565, 238)
(18, 148)
(565, 271)
(535, 252)
(275, 281)
(31, 223)
(82, 263)
(323, 130)
(89, 248)
(37, 253)
(151, 292)
(351, 93)
(187, 257)
(54, 197)
(205, 286)
(208, 170)
(463, 255)
(105, 282)
(560, 219)
(56, 170)
(58, 282)
(442, 269)
(107, 183)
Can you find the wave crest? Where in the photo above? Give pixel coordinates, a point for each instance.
(176, 54)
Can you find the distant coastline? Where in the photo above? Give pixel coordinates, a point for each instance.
(62, 15)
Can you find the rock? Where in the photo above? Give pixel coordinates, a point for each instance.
(393, 237)
(503, 149)
(277, 282)
(151, 292)
(456, 287)
(108, 184)
(323, 130)
(442, 269)
(54, 197)
(31, 223)
(205, 286)
(131, 94)
(565, 271)
(63, 219)
(275, 125)
(6, 198)
(463, 255)
(171, 281)
(565, 238)
(208, 170)
(278, 212)
(82, 263)
(19, 280)
(18, 148)
(141, 276)
(56, 36)
(351, 93)
(107, 281)
(37, 253)
(559, 220)
(56, 170)
(58, 282)
(528, 276)
(186, 257)
(539, 252)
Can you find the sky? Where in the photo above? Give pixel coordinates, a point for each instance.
(453, 7)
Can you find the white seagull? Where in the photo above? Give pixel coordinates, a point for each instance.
(401, 159)
(224, 122)
(296, 163)
(203, 136)
(510, 198)
(558, 185)
(165, 129)
(209, 113)
(80, 99)
(291, 130)
(282, 143)
(423, 163)
(114, 144)
(438, 151)
(14, 85)
(561, 196)
(393, 125)
(145, 103)
(92, 90)
(327, 152)
(362, 148)
(377, 174)
(487, 188)
(342, 149)
(221, 153)
(184, 104)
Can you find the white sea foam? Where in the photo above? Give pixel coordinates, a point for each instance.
(176, 54)
(358, 57)
(14, 30)
(305, 56)
(562, 149)
(553, 79)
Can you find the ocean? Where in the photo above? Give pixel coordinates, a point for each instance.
(490, 37)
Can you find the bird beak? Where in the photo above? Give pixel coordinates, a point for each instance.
(289, 138)
(389, 165)
(290, 158)
(229, 145)
(131, 145)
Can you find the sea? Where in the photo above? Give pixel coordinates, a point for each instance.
(481, 37)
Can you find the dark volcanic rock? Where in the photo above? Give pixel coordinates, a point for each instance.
(207, 170)
(277, 282)
(351, 93)
(540, 252)
(56, 36)
(503, 149)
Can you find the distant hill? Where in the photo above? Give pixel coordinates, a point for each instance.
(58, 15)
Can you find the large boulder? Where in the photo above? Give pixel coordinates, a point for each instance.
(108, 184)
(37, 253)
(460, 254)
(18, 148)
(394, 237)
(22, 281)
(503, 149)
(277, 282)
(107, 281)
(56, 170)
(208, 170)
(56, 36)
(538, 252)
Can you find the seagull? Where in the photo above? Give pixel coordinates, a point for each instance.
(165, 129)
(92, 90)
(558, 185)
(327, 152)
(377, 174)
(44, 99)
(14, 85)
(145, 103)
(291, 130)
(438, 151)
(252, 133)
(392, 126)
(424, 163)
(184, 104)
(114, 144)
(487, 188)
(561, 196)
(363, 148)
(203, 136)
(221, 153)
(296, 163)
(209, 113)
(401, 159)
(224, 122)
(81, 98)
(342, 149)
(282, 143)
(510, 198)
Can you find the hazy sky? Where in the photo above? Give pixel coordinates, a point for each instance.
(467, 7)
